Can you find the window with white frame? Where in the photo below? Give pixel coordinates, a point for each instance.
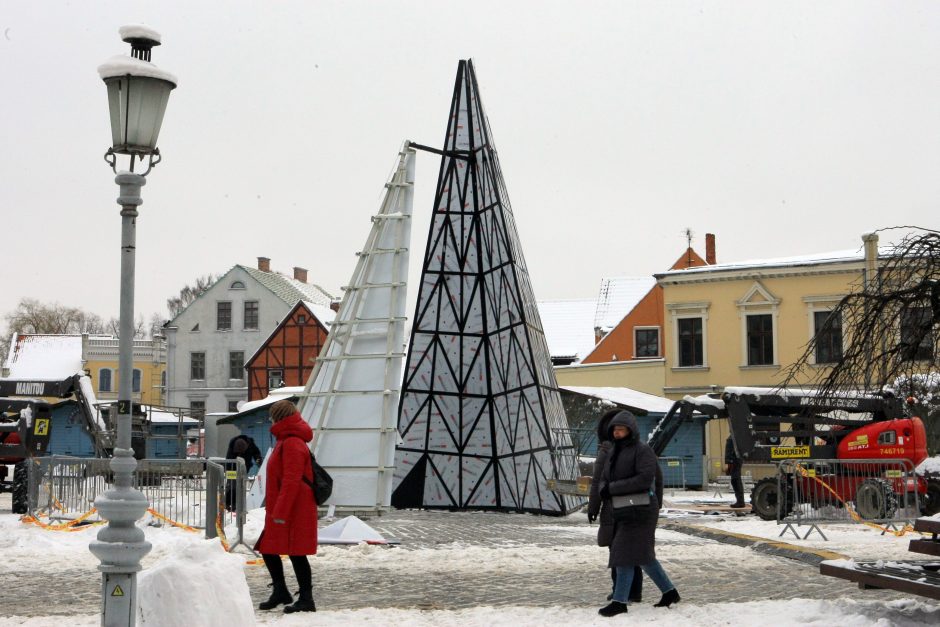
(825, 329)
(690, 330)
(275, 379)
(646, 341)
(917, 333)
(759, 309)
(251, 315)
(691, 344)
(104, 380)
(197, 409)
(760, 339)
(827, 333)
(236, 365)
(197, 366)
(224, 316)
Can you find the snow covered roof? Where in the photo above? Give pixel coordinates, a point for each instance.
(323, 312)
(164, 417)
(568, 326)
(627, 397)
(46, 356)
(815, 259)
(288, 289)
(273, 396)
(617, 298)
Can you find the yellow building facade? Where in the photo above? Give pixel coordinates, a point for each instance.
(100, 360)
(746, 324)
(643, 376)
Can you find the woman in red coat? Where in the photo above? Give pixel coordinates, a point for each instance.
(290, 518)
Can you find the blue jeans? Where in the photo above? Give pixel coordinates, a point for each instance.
(654, 571)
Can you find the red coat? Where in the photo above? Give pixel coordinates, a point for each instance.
(287, 496)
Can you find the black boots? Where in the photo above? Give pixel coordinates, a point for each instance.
(304, 603)
(739, 505)
(279, 595)
(669, 598)
(615, 607)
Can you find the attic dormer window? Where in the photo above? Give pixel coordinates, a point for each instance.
(236, 285)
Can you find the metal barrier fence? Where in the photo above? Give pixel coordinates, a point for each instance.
(844, 491)
(183, 492)
(673, 472)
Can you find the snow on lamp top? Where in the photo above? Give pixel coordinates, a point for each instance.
(142, 39)
(139, 31)
(138, 92)
(121, 65)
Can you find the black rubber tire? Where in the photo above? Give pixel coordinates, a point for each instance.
(21, 488)
(875, 499)
(930, 504)
(764, 498)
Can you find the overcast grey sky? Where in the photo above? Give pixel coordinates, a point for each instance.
(784, 128)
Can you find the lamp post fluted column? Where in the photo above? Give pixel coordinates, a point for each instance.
(137, 95)
(121, 544)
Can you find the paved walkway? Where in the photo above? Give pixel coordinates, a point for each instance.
(476, 559)
(739, 574)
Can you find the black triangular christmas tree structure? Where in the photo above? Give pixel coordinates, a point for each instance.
(481, 418)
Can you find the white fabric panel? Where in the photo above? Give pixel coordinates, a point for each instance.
(352, 395)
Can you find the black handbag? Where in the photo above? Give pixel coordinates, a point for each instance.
(626, 506)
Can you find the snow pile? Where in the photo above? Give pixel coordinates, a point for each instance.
(843, 612)
(203, 586)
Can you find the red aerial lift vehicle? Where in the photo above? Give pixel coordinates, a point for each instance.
(774, 424)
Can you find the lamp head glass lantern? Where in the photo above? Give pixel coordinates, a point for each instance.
(138, 92)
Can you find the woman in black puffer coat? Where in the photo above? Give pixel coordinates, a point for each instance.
(599, 509)
(631, 468)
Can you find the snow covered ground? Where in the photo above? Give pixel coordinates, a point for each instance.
(859, 542)
(189, 581)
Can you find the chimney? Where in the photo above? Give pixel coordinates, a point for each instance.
(334, 304)
(264, 264)
(870, 273)
(710, 249)
(300, 274)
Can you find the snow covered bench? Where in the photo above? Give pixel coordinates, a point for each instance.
(916, 577)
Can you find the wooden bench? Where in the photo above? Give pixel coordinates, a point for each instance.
(916, 577)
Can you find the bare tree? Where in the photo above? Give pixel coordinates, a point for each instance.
(140, 329)
(189, 293)
(891, 328)
(33, 316)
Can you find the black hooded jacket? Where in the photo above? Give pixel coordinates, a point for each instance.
(630, 468)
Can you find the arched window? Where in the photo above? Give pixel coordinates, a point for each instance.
(104, 380)
(236, 285)
(135, 382)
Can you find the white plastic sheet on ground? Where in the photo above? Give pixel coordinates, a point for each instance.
(349, 530)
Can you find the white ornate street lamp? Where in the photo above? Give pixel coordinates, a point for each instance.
(137, 95)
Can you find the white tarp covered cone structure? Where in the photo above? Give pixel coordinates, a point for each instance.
(351, 398)
(349, 530)
(481, 417)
